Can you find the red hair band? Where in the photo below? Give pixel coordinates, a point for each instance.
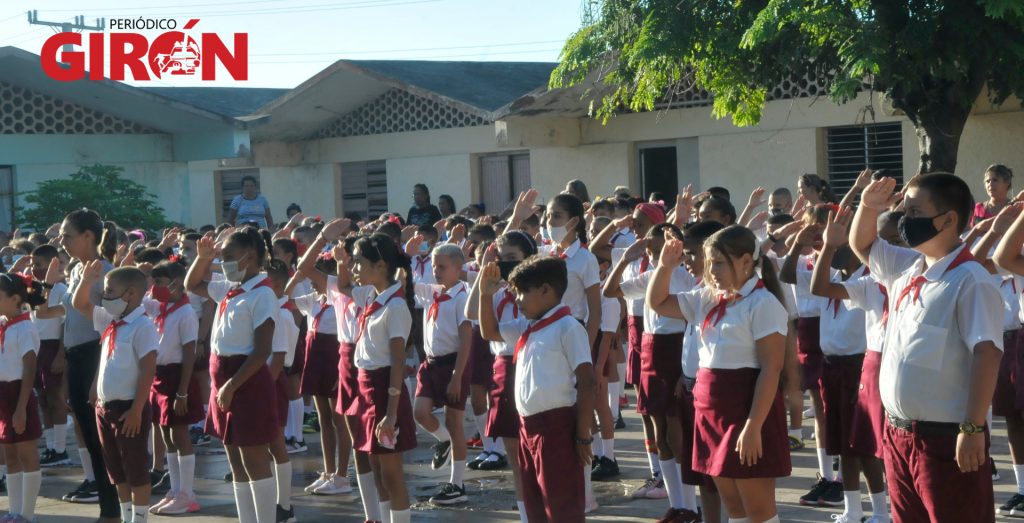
(652, 211)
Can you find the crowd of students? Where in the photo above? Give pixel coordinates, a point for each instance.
(899, 311)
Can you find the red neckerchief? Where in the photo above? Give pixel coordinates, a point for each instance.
(717, 312)
(421, 264)
(238, 291)
(562, 312)
(311, 332)
(506, 299)
(645, 263)
(917, 281)
(370, 310)
(10, 323)
(111, 332)
(161, 317)
(435, 307)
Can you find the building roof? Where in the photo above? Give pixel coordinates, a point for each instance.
(225, 101)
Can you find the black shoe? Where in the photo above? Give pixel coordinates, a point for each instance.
(442, 454)
(52, 458)
(3, 484)
(450, 494)
(161, 481)
(482, 457)
(285, 516)
(813, 497)
(229, 477)
(606, 469)
(620, 423)
(494, 462)
(198, 436)
(833, 495)
(1007, 508)
(87, 492)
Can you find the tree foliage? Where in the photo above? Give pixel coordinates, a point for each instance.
(97, 187)
(931, 57)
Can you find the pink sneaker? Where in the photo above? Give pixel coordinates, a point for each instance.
(182, 504)
(168, 498)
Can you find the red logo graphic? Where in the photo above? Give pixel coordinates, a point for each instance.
(171, 53)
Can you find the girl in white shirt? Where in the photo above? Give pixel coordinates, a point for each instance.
(567, 231)
(740, 435)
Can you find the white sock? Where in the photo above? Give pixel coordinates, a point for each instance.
(244, 503)
(48, 436)
(385, 511)
(30, 492)
(741, 520)
(174, 471)
(3, 471)
(496, 446)
(851, 500)
(1018, 472)
(458, 471)
(824, 464)
(480, 421)
(588, 489)
(368, 494)
(609, 448)
(522, 512)
(15, 491)
(126, 511)
(139, 514)
(441, 434)
(613, 399)
(673, 483)
(690, 497)
(879, 508)
(187, 469)
(263, 495)
(60, 437)
(401, 516)
(295, 419)
(283, 484)
(652, 460)
(797, 433)
(83, 455)
(598, 447)
(775, 519)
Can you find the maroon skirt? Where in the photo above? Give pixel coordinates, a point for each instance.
(348, 381)
(165, 390)
(635, 326)
(808, 351)
(721, 400)
(660, 368)
(248, 421)
(45, 379)
(502, 417)
(9, 393)
(481, 361)
(686, 419)
(1008, 398)
(299, 362)
(373, 399)
(840, 384)
(320, 372)
(869, 415)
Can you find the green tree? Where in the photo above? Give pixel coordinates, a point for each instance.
(97, 187)
(933, 58)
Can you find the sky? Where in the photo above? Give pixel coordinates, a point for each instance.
(292, 40)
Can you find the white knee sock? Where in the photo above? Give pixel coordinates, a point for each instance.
(368, 494)
(385, 511)
(441, 434)
(401, 516)
(851, 502)
(879, 508)
(588, 489)
(824, 463)
(83, 455)
(480, 421)
(244, 503)
(60, 437)
(673, 483)
(187, 468)
(775, 519)
(614, 389)
(522, 511)
(295, 419)
(458, 472)
(140, 514)
(655, 464)
(30, 492)
(126, 511)
(739, 520)
(174, 471)
(48, 437)
(609, 448)
(1018, 473)
(598, 447)
(690, 497)
(263, 495)
(16, 491)
(283, 484)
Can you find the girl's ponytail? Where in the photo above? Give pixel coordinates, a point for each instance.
(107, 248)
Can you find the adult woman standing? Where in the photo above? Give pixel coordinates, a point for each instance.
(250, 206)
(815, 190)
(998, 181)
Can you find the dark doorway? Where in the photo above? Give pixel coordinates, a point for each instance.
(658, 173)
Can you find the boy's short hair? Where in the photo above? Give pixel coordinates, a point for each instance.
(427, 230)
(128, 277)
(780, 219)
(720, 192)
(721, 205)
(458, 219)
(451, 251)
(700, 231)
(193, 237)
(150, 255)
(538, 270)
(948, 193)
(531, 221)
(484, 230)
(45, 251)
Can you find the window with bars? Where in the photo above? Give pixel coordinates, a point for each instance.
(364, 188)
(6, 198)
(502, 178)
(851, 149)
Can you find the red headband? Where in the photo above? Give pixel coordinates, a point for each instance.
(652, 211)
(326, 256)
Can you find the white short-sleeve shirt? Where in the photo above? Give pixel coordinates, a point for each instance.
(346, 312)
(313, 305)
(441, 334)
(422, 270)
(634, 307)
(51, 328)
(622, 239)
(842, 326)
(584, 273)
(730, 344)
(506, 309)
(119, 370)
(391, 320)
(180, 327)
(1009, 288)
(655, 323)
(610, 311)
(546, 366)
(929, 343)
(871, 297)
(286, 333)
(807, 305)
(19, 339)
(234, 331)
(691, 346)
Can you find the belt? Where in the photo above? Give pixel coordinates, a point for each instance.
(447, 359)
(852, 359)
(926, 428)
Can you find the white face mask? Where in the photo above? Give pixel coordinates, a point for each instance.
(557, 234)
(232, 272)
(424, 248)
(114, 307)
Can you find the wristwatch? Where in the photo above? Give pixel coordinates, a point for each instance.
(970, 428)
(581, 441)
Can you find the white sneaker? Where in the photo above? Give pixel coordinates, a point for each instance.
(168, 499)
(842, 518)
(335, 485)
(878, 519)
(657, 491)
(316, 484)
(181, 504)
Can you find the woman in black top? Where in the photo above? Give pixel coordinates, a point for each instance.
(423, 213)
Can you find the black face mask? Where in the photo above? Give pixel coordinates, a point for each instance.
(506, 268)
(915, 231)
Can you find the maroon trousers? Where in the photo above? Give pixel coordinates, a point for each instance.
(925, 484)
(552, 474)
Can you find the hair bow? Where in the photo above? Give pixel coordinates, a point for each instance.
(26, 279)
(326, 256)
(174, 258)
(395, 220)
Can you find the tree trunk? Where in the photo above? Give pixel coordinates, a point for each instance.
(938, 139)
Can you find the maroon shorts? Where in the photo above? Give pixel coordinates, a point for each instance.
(721, 402)
(126, 459)
(660, 369)
(251, 419)
(1009, 394)
(9, 393)
(281, 401)
(808, 351)
(45, 379)
(552, 474)
(595, 351)
(373, 399)
(165, 390)
(320, 373)
(299, 362)
(686, 419)
(635, 326)
(869, 415)
(840, 384)
(432, 381)
(348, 381)
(926, 485)
(502, 417)
(481, 361)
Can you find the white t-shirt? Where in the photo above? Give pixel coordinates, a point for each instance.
(691, 346)
(311, 305)
(584, 273)
(622, 239)
(1009, 288)
(655, 323)
(234, 331)
(119, 370)
(842, 326)
(870, 296)
(52, 328)
(346, 312)
(391, 320)
(19, 339)
(807, 305)
(180, 327)
(634, 307)
(422, 270)
(286, 334)
(441, 334)
(506, 309)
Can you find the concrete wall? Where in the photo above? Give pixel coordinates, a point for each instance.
(450, 174)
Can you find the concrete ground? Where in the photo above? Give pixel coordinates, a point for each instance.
(491, 495)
